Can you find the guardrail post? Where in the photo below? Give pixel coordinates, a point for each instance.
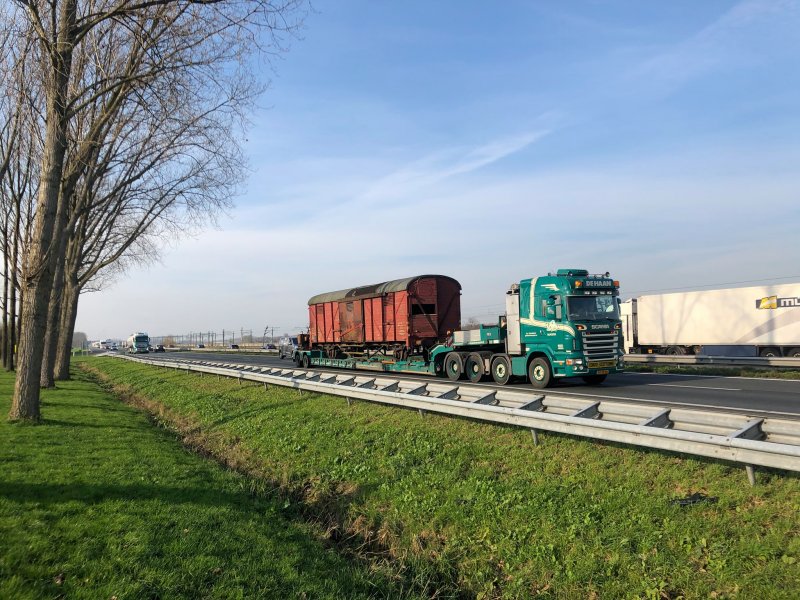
(349, 401)
(535, 435)
(751, 474)
(421, 412)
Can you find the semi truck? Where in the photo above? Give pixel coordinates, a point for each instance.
(559, 326)
(138, 343)
(746, 321)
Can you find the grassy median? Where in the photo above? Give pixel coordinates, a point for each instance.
(433, 506)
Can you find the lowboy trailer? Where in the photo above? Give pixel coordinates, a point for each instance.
(563, 325)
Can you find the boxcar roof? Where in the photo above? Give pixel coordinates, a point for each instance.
(378, 289)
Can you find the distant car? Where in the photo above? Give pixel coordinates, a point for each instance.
(159, 348)
(234, 346)
(114, 347)
(287, 347)
(201, 345)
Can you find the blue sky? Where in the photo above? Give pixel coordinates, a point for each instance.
(492, 142)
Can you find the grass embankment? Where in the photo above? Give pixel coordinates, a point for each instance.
(97, 503)
(477, 508)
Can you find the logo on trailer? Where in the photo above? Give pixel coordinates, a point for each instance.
(773, 303)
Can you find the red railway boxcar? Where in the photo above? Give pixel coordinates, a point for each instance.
(400, 316)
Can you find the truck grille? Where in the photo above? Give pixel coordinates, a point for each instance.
(600, 345)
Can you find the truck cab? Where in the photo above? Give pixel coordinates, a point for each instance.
(565, 324)
(559, 326)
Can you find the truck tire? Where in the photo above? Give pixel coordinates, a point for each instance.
(594, 379)
(473, 367)
(769, 353)
(539, 373)
(794, 353)
(297, 359)
(454, 366)
(306, 361)
(675, 351)
(501, 370)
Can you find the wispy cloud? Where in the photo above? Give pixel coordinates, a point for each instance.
(716, 45)
(447, 163)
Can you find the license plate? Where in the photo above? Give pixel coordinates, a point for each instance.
(601, 364)
(603, 372)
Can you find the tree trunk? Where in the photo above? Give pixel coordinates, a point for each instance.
(53, 322)
(69, 314)
(42, 254)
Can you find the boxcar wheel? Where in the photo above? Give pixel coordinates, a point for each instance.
(539, 373)
(501, 370)
(454, 366)
(473, 367)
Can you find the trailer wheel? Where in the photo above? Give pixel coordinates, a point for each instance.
(770, 353)
(539, 373)
(501, 370)
(676, 350)
(794, 353)
(454, 366)
(474, 367)
(594, 379)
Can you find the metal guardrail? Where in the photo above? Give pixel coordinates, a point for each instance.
(727, 361)
(734, 437)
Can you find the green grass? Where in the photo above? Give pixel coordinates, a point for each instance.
(761, 373)
(476, 509)
(96, 502)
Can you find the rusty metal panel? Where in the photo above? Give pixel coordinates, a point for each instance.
(368, 321)
(449, 306)
(422, 304)
(328, 322)
(337, 329)
(401, 317)
(312, 323)
(388, 317)
(352, 321)
(377, 322)
(320, 322)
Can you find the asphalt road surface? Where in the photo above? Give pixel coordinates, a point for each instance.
(758, 397)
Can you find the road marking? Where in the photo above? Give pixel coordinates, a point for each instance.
(695, 387)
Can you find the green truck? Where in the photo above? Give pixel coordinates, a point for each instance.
(563, 325)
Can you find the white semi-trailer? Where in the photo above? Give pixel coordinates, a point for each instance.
(749, 321)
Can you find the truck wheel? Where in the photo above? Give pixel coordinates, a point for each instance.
(474, 367)
(454, 366)
(539, 373)
(306, 361)
(676, 350)
(794, 353)
(297, 359)
(594, 379)
(770, 353)
(501, 370)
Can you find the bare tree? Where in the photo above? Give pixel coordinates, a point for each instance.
(209, 38)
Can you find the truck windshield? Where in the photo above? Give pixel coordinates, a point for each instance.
(592, 308)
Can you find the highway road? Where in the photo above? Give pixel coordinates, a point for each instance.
(753, 396)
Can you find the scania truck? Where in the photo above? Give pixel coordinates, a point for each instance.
(560, 326)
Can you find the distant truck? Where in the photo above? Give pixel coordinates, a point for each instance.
(138, 343)
(749, 321)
